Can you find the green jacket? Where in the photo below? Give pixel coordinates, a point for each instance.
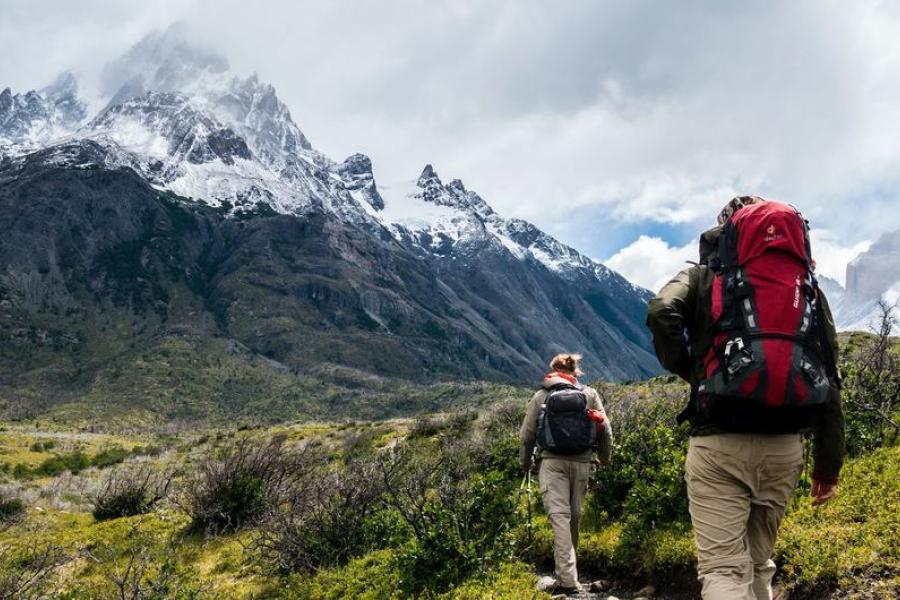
(684, 304)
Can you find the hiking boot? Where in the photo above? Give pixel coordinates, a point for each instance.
(564, 591)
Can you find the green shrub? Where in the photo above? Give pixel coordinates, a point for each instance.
(462, 528)
(11, 509)
(74, 462)
(29, 573)
(129, 492)
(109, 457)
(509, 581)
(645, 482)
(239, 484)
(322, 519)
(372, 577)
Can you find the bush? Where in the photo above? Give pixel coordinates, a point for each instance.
(237, 486)
(109, 457)
(461, 519)
(645, 482)
(371, 577)
(129, 492)
(322, 522)
(142, 566)
(29, 573)
(74, 462)
(871, 392)
(12, 510)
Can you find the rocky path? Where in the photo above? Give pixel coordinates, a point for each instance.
(602, 589)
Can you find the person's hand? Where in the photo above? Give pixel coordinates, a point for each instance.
(527, 466)
(601, 464)
(822, 492)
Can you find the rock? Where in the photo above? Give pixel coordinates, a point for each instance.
(598, 586)
(647, 591)
(612, 598)
(545, 583)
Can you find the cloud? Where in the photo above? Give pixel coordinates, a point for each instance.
(832, 255)
(651, 262)
(637, 113)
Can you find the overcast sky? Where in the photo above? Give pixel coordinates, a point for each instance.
(619, 127)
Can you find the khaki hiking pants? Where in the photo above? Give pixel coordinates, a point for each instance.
(738, 486)
(563, 485)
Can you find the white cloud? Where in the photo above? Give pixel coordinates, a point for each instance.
(832, 255)
(651, 262)
(540, 106)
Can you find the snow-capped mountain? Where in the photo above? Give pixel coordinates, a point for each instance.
(182, 120)
(428, 269)
(38, 117)
(872, 277)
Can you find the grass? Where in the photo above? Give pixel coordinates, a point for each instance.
(852, 544)
(852, 540)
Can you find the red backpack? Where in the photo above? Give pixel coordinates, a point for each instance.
(768, 367)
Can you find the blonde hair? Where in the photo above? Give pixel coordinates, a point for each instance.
(567, 363)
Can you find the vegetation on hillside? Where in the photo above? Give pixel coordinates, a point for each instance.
(431, 507)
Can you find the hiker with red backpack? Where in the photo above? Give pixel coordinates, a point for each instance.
(750, 330)
(565, 425)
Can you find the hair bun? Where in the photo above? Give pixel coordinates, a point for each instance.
(567, 363)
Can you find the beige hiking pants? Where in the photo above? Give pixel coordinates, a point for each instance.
(738, 486)
(563, 485)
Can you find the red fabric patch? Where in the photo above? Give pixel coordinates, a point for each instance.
(716, 299)
(769, 226)
(778, 354)
(748, 387)
(711, 362)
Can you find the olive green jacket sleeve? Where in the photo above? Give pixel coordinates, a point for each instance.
(828, 430)
(667, 317)
(528, 431)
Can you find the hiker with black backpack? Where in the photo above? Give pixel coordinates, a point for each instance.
(564, 426)
(750, 330)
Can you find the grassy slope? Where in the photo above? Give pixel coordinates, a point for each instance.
(192, 379)
(851, 544)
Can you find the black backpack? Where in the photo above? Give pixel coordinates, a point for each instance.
(563, 425)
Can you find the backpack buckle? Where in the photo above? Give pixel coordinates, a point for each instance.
(736, 342)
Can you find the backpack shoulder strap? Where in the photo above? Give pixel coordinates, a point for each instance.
(726, 258)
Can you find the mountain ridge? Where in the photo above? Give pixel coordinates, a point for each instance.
(233, 223)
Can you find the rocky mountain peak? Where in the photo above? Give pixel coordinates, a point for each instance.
(356, 173)
(38, 116)
(428, 177)
(187, 134)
